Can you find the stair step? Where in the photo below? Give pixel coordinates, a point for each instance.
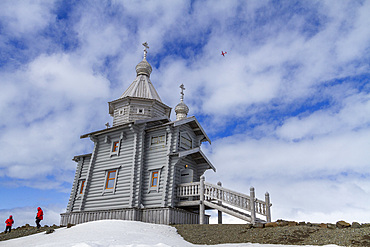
(232, 211)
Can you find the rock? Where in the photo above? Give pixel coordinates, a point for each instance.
(271, 224)
(292, 223)
(258, 225)
(331, 226)
(342, 224)
(302, 223)
(49, 231)
(69, 225)
(356, 225)
(282, 223)
(323, 225)
(248, 226)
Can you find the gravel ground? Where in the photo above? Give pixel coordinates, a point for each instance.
(245, 233)
(292, 235)
(25, 231)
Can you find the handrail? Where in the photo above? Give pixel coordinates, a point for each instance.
(223, 195)
(188, 189)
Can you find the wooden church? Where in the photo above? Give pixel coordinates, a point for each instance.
(149, 168)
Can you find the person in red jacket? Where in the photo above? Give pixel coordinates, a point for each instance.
(9, 222)
(39, 217)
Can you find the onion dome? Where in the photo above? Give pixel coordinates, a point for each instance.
(143, 68)
(181, 109)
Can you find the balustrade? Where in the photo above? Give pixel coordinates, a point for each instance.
(224, 196)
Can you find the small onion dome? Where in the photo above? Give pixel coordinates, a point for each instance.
(143, 68)
(181, 110)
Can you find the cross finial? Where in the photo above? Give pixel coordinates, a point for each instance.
(107, 125)
(182, 91)
(146, 46)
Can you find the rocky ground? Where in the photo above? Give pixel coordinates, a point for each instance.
(26, 230)
(279, 232)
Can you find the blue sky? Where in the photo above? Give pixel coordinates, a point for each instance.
(287, 109)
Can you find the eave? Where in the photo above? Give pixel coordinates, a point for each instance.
(197, 155)
(195, 125)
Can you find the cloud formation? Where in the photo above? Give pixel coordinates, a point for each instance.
(287, 108)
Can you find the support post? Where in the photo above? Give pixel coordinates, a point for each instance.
(268, 205)
(201, 201)
(253, 205)
(219, 203)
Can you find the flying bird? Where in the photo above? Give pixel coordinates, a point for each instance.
(223, 53)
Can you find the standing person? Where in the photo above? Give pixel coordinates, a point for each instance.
(39, 217)
(9, 222)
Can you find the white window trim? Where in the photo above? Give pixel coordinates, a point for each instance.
(142, 110)
(113, 190)
(151, 171)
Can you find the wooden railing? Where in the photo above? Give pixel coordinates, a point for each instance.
(221, 195)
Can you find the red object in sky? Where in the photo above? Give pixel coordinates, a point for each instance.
(223, 53)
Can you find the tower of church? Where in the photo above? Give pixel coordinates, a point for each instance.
(140, 100)
(137, 165)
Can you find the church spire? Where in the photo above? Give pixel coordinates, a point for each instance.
(181, 109)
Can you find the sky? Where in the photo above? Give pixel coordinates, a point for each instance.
(287, 108)
(117, 233)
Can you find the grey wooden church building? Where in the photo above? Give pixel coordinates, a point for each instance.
(149, 168)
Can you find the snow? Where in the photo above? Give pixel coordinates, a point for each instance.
(114, 233)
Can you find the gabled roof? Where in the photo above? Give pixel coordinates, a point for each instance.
(194, 124)
(197, 155)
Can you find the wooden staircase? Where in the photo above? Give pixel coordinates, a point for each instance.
(230, 202)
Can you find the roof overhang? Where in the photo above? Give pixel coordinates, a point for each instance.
(195, 125)
(129, 98)
(107, 130)
(197, 155)
(77, 157)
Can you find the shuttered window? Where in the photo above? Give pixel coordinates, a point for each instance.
(157, 140)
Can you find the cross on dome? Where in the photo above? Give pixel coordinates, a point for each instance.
(182, 92)
(146, 46)
(181, 109)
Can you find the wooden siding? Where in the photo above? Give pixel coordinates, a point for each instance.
(166, 216)
(155, 157)
(97, 197)
(83, 165)
(130, 108)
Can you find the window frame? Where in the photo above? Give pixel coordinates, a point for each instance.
(158, 143)
(116, 152)
(107, 179)
(152, 171)
(81, 188)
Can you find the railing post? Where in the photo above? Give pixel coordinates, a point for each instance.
(268, 205)
(253, 206)
(219, 203)
(201, 201)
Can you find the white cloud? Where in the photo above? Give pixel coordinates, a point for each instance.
(25, 17)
